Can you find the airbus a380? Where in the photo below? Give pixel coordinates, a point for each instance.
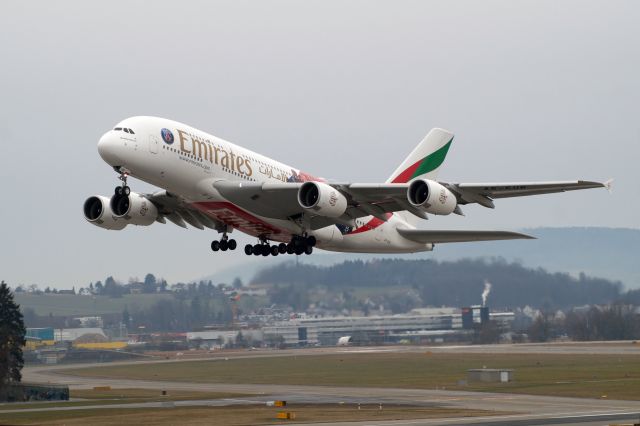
(210, 183)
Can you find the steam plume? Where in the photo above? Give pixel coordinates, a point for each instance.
(485, 292)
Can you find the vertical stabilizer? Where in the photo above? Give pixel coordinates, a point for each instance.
(425, 160)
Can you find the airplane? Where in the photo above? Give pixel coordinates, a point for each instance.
(210, 183)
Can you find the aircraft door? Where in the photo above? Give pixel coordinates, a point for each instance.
(153, 144)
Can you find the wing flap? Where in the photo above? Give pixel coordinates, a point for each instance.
(456, 236)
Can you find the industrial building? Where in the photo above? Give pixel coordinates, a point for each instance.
(419, 326)
(216, 339)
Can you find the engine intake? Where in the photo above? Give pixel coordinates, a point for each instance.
(323, 199)
(98, 212)
(431, 197)
(134, 208)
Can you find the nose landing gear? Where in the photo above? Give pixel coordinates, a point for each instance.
(124, 188)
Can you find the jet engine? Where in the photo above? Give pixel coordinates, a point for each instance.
(322, 199)
(98, 212)
(431, 197)
(134, 208)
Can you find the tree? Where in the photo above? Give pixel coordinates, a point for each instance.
(12, 339)
(126, 317)
(149, 285)
(237, 283)
(112, 288)
(542, 328)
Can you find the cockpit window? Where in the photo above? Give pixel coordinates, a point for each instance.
(125, 129)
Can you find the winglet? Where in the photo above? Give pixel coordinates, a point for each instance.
(609, 185)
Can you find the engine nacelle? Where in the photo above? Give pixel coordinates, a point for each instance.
(323, 199)
(98, 212)
(431, 197)
(134, 208)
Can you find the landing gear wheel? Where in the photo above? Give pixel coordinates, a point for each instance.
(248, 249)
(299, 251)
(266, 250)
(290, 249)
(118, 190)
(215, 245)
(311, 241)
(282, 248)
(274, 250)
(257, 250)
(126, 190)
(224, 245)
(308, 250)
(232, 244)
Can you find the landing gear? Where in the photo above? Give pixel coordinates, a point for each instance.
(224, 244)
(299, 244)
(123, 189)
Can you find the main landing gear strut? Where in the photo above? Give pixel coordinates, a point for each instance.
(224, 244)
(298, 245)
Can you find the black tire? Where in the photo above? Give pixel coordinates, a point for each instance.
(275, 250)
(224, 245)
(299, 251)
(282, 248)
(257, 250)
(311, 241)
(126, 190)
(232, 244)
(215, 245)
(308, 250)
(248, 249)
(290, 249)
(266, 249)
(118, 190)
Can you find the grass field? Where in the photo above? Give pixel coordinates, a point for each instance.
(588, 376)
(234, 415)
(67, 304)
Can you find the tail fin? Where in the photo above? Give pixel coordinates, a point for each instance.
(425, 160)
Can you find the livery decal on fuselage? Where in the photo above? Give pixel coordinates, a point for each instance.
(205, 149)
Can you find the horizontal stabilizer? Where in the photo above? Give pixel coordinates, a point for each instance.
(455, 236)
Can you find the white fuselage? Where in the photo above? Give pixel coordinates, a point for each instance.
(186, 161)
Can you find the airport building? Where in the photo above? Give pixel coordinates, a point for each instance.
(427, 325)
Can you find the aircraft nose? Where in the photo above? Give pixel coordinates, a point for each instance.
(107, 147)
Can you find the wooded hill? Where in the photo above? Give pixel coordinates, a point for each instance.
(456, 283)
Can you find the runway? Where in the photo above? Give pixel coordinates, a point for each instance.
(518, 409)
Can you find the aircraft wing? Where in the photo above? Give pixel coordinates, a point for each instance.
(179, 212)
(279, 200)
(455, 236)
(484, 193)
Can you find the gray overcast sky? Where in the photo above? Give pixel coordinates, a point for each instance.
(534, 90)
